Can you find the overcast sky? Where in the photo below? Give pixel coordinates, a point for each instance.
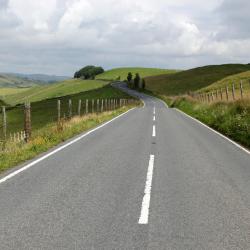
(60, 36)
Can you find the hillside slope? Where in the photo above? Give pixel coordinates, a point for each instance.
(193, 79)
(244, 77)
(113, 74)
(68, 87)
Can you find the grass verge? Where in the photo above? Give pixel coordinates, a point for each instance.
(49, 136)
(230, 118)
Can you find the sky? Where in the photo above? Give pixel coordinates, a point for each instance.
(61, 36)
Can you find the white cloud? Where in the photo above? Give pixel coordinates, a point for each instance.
(66, 34)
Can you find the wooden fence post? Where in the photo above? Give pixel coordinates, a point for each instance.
(102, 106)
(233, 91)
(97, 105)
(221, 95)
(93, 104)
(217, 94)
(241, 89)
(227, 92)
(27, 121)
(212, 95)
(87, 107)
(4, 123)
(70, 108)
(58, 114)
(79, 107)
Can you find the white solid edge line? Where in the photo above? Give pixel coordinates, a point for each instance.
(153, 133)
(59, 149)
(216, 132)
(147, 192)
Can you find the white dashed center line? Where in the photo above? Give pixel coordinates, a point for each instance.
(153, 133)
(147, 192)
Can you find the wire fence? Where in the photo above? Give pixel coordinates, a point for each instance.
(17, 123)
(230, 92)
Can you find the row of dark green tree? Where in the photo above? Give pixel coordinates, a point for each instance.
(137, 82)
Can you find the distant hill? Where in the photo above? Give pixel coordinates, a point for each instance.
(43, 78)
(12, 81)
(114, 74)
(193, 79)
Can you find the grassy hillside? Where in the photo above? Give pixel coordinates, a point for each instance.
(245, 77)
(45, 111)
(123, 72)
(67, 87)
(11, 81)
(193, 79)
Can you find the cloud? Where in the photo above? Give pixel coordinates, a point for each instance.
(59, 36)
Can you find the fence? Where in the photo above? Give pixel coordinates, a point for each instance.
(17, 123)
(229, 92)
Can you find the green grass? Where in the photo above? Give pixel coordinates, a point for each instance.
(48, 136)
(67, 87)
(230, 118)
(193, 79)
(45, 111)
(113, 74)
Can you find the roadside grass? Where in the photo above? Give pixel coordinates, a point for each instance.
(67, 87)
(45, 111)
(49, 136)
(193, 79)
(113, 74)
(230, 118)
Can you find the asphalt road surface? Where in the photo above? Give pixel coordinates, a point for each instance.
(151, 179)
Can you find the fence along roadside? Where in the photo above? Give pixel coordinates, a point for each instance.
(24, 135)
(230, 92)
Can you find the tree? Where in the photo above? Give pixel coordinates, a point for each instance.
(143, 83)
(137, 81)
(129, 77)
(89, 72)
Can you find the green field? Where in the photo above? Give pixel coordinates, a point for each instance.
(45, 111)
(39, 93)
(114, 74)
(193, 79)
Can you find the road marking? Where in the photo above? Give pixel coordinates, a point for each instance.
(153, 133)
(154, 110)
(216, 132)
(154, 118)
(147, 192)
(59, 149)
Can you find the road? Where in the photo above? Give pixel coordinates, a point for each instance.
(151, 179)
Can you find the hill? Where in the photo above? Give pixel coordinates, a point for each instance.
(114, 74)
(11, 81)
(42, 78)
(193, 79)
(68, 87)
(245, 77)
